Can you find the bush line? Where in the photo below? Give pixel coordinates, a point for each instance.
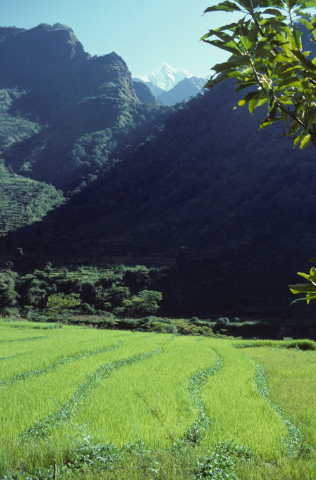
(62, 361)
(42, 428)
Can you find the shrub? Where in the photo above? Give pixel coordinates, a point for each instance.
(194, 320)
(87, 309)
(186, 328)
(11, 312)
(161, 327)
(222, 322)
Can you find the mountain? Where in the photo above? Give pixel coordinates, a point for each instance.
(225, 211)
(172, 86)
(183, 90)
(155, 90)
(144, 93)
(65, 115)
(166, 77)
(228, 209)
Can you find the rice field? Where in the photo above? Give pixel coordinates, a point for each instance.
(83, 403)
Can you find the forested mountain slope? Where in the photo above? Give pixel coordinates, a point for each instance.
(64, 114)
(230, 208)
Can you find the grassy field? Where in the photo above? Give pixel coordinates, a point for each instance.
(84, 403)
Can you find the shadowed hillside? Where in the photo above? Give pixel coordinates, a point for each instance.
(228, 207)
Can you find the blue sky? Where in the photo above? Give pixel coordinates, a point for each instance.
(144, 33)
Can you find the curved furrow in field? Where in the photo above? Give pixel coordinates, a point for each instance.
(24, 339)
(50, 368)
(194, 435)
(9, 357)
(43, 427)
(294, 439)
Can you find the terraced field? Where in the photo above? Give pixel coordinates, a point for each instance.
(24, 201)
(84, 403)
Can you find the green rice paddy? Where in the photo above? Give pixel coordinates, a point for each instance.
(114, 404)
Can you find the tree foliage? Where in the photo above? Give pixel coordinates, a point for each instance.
(267, 54)
(308, 288)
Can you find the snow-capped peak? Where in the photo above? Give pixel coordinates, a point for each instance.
(166, 77)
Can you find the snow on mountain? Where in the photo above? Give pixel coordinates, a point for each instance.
(166, 77)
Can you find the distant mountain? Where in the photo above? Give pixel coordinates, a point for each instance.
(144, 93)
(183, 90)
(166, 77)
(171, 85)
(155, 90)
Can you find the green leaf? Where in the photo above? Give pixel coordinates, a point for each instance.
(217, 43)
(308, 298)
(281, 59)
(271, 11)
(266, 123)
(310, 4)
(305, 141)
(302, 288)
(284, 115)
(293, 82)
(306, 24)
(304, 275)
(248, 97)
(296, 141)
(224, 7)
(304, 61)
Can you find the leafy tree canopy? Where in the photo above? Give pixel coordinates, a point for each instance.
(267, 54)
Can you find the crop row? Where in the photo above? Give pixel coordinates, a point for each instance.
(43, 427)
(23, 339)
(14, 356)
(293, 441)
(62, 361)
(194, 435)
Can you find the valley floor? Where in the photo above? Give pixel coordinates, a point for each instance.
(83, 403)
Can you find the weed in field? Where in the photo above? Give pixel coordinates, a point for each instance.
(220, 465)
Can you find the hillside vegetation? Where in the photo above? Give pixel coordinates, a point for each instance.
(24, 201)
(228, 208)
(195, 188)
